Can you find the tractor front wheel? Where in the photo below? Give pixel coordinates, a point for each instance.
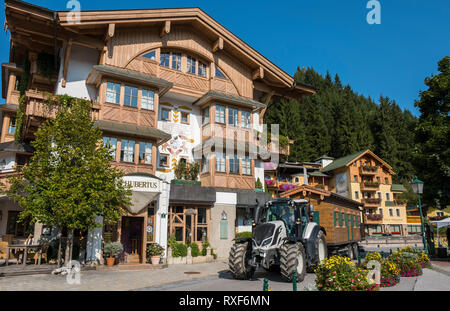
(238, 262)
(293, 257)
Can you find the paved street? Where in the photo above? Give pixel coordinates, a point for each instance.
(201, 277)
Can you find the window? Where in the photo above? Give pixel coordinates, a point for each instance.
(398, 212)
(112, 144)
(191, 65)
(131, 96)
(165, 114)
(355, 178)
(357, 195)
(127, 151)
(12, 125)
(148, 100)
(380, 211)
(220, 74)
(232, 116)
(439, 214)
(297, 180)
(201, 69)
(377, 229)
(220, 162)
(335, 218)
(396, 229)
(245, 119)
(220, 114)
(391, 213)
(386, 180)
(113, 93)
(165, 60)
(145, 153)
(176, 61)
(164, 160)
(379, 195)
(188, 224)
(234, 164)
(205, 116)
(414, 230)
(17, 84)
(378, 179)
(388, 196)
(247, 166)
(151, 55)
(205, 164)
(185, 117)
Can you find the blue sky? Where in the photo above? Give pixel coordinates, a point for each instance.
(392, 59)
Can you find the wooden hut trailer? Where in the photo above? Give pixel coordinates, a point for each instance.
(338, 215)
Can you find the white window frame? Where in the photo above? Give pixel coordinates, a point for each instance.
(113, 92)
(246, 119)
(129, 98)
(221, 114)
(128, 150)
(221, 161)
(247, 166)
(147, 153)
(148, 100)
(233, 117)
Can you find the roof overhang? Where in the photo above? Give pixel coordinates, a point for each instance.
(137, 131)
(100, 71)
(231, 99)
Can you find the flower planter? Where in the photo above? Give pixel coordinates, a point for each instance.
(155, 260)
(110, 261)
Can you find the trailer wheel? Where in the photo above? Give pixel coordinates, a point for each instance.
(238, 262)
(293, 257)
(350, 252)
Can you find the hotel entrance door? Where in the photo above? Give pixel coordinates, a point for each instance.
(132, 238)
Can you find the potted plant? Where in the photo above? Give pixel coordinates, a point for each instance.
(154, 252)
(112, 250)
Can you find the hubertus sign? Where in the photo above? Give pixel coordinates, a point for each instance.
(145, 189)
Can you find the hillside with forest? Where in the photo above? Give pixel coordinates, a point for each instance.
(337, 122)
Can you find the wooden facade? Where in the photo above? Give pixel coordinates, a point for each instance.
(339, 216)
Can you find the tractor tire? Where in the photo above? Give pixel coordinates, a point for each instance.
(238, 262)
(321, 251)
(292, 257)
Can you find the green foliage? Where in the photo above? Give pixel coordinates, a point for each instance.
(46, 65)
(244, 235)
(154, 250)
(172, 242)
(205, 246)
(432, 137)
(187, 171)
(180, 170)
(258, 184)
(195, 250)
(69, 180)
(341, 274)
(112, 249)
(194, 170)
(337, 121)
(180, 250)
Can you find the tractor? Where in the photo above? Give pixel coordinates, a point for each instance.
(284, 239)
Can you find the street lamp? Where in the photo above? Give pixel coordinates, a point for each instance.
(417, 186)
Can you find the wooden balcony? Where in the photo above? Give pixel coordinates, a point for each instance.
(372, 202)
(373, 219)
(370, 186)
(368, 170)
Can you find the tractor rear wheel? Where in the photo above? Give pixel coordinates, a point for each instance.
(238, 262)
(293, 257)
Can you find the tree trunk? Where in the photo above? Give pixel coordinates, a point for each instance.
(59, 249)
(68, 255)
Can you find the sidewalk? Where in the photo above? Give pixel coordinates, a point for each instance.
(112, 280)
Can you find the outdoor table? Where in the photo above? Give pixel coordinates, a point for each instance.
(25, 249)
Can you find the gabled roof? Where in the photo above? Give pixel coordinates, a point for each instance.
(348, 160)
(318, 174)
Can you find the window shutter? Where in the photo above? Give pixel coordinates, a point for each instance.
(223, 230)
(316, 217)
(335, 218)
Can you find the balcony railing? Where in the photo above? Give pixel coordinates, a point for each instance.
(370, 185)
(368, 170)
(372, 202)
(374, 218)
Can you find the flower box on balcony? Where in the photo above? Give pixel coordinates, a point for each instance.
(370, 184)
(270, 182)
(373, 201)
(370, 168)
(375, 217)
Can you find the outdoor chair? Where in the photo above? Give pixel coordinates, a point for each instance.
(44, 248)
(4, 252)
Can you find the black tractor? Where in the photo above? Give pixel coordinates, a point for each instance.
(284, 239)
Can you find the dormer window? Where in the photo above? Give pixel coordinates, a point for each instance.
(151, 55)
(165, 60)
(201, 69)
(219, 74)
(191, 65)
